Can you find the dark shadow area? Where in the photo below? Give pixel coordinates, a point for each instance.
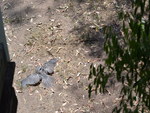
(83, 1)
(16, 14)
(124, 3)
(81, 95)
(78, 1)
(85, 30)
(10, 4)
(9, 100)
(91, 38)
(89, 29)
(20, 16)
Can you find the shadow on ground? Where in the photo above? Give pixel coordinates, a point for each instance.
(16, 15)
(91, 22)
(20, 16)
(91, 38)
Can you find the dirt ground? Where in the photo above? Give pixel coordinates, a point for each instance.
(71, 30)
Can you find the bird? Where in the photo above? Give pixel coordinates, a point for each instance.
(48, 67)
(41, 75)
(32, 79)
(47, 81)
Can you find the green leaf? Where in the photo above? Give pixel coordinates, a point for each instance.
(128, 59)
(89, 90)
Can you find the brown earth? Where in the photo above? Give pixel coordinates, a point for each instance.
(38, 30)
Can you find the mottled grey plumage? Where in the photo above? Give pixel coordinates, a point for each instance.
(42, 74)
(48, 67)
(32, 79)
(47, 80)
